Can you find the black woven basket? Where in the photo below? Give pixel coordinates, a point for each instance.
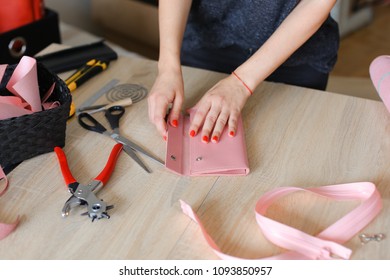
(27, 136)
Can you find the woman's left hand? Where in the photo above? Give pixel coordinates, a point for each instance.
(220, 106)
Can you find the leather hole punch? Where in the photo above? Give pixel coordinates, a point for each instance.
(85, 195)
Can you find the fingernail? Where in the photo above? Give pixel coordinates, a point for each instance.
(174, 123)
(231, 133)
(192, 133)
(165, 138)
(215, 139)
(205, 139)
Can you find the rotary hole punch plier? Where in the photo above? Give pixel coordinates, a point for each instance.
(85, 194)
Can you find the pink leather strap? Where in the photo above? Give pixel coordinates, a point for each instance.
(5, 229)
(327, 244)
(3, 182)
(3, 67)
(380, 76)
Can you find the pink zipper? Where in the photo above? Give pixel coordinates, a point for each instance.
(327, 244)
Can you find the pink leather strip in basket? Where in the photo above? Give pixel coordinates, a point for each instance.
(327, 244)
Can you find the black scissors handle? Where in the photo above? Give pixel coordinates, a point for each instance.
(90, 123)
(113, 115)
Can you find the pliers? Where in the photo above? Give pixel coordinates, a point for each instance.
(85, 194)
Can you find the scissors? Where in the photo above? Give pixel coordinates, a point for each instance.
(113, 115)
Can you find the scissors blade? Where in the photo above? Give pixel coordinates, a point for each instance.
(134, 156)
(135, 147)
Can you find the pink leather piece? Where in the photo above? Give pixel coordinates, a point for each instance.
(48, 93)
(9, 111)
(12, 100)
(3, 182)
(3, 67)
(24, 85)
(327, 244)
(380, 76)
(24, 82)
(189, 156)
(48, 106)
(5, 229)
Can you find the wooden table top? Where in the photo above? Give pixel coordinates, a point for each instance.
(294, 137)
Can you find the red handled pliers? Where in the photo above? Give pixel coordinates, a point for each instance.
(85, 194)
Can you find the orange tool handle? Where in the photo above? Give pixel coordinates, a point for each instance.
(105, 174)
(68, 177)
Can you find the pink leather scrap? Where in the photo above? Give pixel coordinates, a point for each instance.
(327, 244)
(23, 84)
(380, 77)
(186, 155)
(2, 70)
(5, 229)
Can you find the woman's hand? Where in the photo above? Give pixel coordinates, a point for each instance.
(220, 106)
(167, 89)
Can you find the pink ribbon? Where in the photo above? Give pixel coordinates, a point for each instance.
(327, 244)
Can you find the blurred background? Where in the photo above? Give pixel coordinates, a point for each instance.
(133, 25)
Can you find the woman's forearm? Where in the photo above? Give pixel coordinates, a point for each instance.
(173, 15)
(296, 29)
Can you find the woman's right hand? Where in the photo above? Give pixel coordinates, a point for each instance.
(167, 89)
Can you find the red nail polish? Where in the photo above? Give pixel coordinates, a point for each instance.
(215, 139)
(165, 138)
(231, 133)
(192, 133)
(205, 139)
(174, 123)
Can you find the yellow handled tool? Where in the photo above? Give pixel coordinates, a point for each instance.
(92, 71)
(80, 71)
(86, 72)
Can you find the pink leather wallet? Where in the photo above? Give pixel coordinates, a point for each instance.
(189, 156)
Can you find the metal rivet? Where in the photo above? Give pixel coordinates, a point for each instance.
(365, 238)
(17, 47)
(198, 158)
(173, 157)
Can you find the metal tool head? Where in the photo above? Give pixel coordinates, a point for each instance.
(85, 195)
(99, 216)
(98, 210)
(69, 204)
